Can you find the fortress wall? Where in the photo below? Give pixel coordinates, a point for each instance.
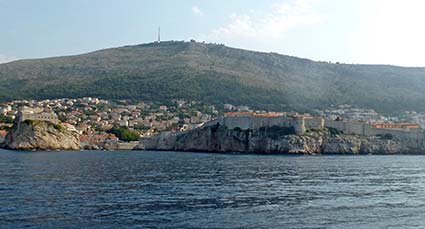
(413, 137)
(243, 122)
(369, 130)
(314, 123)
(214, 122)
(402, 134)
(299, 126)
(255, 122)
(258, 121)
(281, 121)
(40, 116)
(348, 127)
(355, 128)
(276, 121)
(421, 139)
(339, 125)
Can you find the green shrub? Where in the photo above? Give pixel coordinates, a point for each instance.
(62, 118)
(31, 122)
(334, 131)
(315, 130)
(5, 127)
(386, 136)
(58, 127)
(237, 129)
(125, 134)
(5, 119)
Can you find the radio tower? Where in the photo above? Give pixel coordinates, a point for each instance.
(159, 34)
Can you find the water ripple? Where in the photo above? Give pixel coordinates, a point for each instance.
(195, 190)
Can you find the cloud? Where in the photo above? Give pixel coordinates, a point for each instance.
(196, 10)
(392, 34)
(5, 59)
(266, 27)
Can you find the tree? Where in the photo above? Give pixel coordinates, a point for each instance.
(5, 119)
(125, 134)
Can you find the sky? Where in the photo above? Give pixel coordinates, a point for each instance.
(347, 31)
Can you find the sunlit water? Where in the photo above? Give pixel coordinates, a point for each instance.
(195, 190)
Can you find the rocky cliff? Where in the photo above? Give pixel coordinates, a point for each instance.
(275, 140)
(41, 135)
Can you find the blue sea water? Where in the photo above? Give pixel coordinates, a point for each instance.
(199, 190)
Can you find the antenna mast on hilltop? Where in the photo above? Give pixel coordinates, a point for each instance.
(159, 34)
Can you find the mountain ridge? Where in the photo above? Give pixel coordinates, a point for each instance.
(214, 74)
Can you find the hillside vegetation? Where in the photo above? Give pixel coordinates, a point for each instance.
(214, 74)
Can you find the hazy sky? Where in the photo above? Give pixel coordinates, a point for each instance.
(349, 31)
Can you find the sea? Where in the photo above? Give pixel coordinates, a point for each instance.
(148, 189)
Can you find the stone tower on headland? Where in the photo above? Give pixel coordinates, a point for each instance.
(27, 113)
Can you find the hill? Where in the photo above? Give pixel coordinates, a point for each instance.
(214, 74)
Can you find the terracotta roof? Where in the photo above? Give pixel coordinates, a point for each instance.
(246, 113)
(395, 126)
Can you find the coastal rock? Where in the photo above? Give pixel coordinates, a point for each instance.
(342, 145)
(354, 144)
(220, 139)
(163, 141)
(41, 135)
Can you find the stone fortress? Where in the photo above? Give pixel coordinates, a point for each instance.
(252, 120)
(407, 132)
(28, 113)
(410, 133)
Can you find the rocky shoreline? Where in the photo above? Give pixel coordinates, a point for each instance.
(273, 141)
(45, 135)
(41, 135)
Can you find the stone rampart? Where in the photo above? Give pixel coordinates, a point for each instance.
(415, 137)
(37, 113)
(314, 123)
(255, 122)
(349, 127)
(44, 116)
(243, 122)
